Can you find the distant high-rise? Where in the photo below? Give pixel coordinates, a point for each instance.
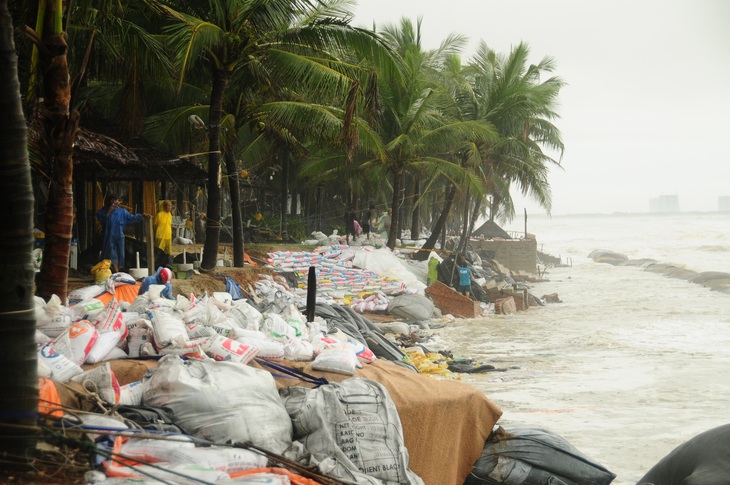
(664, 204)
(723, 203)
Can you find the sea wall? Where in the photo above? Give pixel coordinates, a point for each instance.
(517, 255)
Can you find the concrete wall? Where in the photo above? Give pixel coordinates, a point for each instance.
(517, 255)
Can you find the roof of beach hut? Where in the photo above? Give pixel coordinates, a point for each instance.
(490, 230)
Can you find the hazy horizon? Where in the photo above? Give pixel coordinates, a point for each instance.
(645, 109)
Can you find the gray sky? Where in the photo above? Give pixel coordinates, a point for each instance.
(646, 111)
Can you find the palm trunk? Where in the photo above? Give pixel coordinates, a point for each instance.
(213, 219)
(284, 159)
(415, 216)
(59, 126)
(235, 189)
(439, 227)
(397, 199)
(18, 366)
(465, 228)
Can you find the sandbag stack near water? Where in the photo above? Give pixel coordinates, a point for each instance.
(221, 401)
(352, 431)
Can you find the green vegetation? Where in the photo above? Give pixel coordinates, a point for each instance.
(296, 114)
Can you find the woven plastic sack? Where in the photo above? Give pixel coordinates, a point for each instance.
(221, 401)
(352, 429)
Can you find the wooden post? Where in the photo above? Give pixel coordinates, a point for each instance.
(151, 246)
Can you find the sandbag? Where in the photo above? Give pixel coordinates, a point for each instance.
(221, 401)
(411, 307)
(534, 456)
(352, 429)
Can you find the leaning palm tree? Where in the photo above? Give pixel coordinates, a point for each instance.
(510, 94)
(275, 42)
(415, 131)
(18, 366)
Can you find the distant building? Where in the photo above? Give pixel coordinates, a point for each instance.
(664, 204)
(723, 203)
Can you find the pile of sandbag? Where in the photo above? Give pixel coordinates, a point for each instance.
(345, 271)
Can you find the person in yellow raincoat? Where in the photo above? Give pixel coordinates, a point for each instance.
(163, 226)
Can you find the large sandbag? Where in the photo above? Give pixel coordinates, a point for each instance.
(221, 401)
(534, 456)
(353, 430)
(411, 307)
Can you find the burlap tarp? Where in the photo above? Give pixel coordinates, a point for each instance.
(445, 423)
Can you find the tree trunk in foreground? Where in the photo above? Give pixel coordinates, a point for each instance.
(58, 127)
(18, 366)
(213, 219)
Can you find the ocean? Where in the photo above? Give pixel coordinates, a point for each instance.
(631, 363)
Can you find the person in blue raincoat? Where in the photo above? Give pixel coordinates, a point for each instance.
(114, 219)
(162, 277)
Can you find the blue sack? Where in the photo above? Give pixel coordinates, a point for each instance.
(233, 289)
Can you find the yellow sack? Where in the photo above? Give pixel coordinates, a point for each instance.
(101, 271)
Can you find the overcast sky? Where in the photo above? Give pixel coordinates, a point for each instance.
(646, 109)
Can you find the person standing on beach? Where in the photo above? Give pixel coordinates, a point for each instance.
(114, 219)
(433, 270)
(384, 222)
(350, 219)
(367, 225)
(464, 277)
(163, 226)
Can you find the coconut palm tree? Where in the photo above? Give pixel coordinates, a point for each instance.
(18, 366)
(269, 43)
(510, 94)
(413, 126)
(57, 124)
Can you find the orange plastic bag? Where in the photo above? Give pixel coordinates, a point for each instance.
(49, 401)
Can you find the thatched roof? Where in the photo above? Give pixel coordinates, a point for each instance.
(103, 157)
(490, 230)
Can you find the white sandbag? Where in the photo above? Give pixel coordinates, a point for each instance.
(341, 360)
(41, 338)
(355, 427)
(140, 304)
(62, 368)
(168, 330)
(363, 353)
(111, 319)
(223, 299)
(115, 354)
(131, 394)
(156, 450)
(85, 293)
(298, 349)
(87, 309)
(139, 335)
(168, 473)
(76, 342)
(276, 326)
(197, 331)
(225, 349)
(101, 379)
(221, 401)
(246, 315)
(268, 349)
(43, 369)
(103, 345)
(51, 318)
(221, 458)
